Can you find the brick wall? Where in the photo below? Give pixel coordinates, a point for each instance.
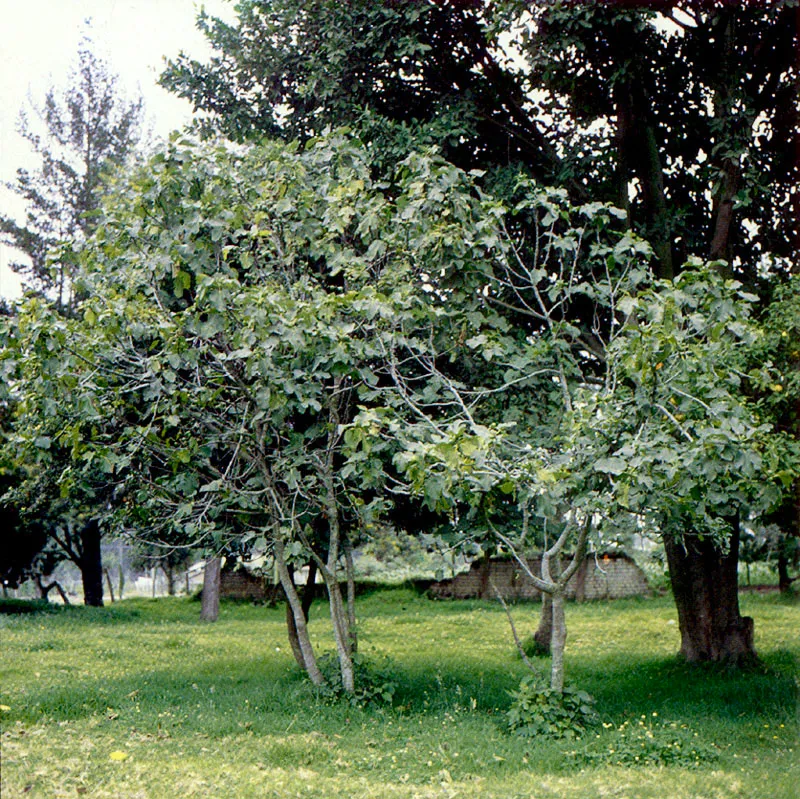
(242, 584)
(599, 577)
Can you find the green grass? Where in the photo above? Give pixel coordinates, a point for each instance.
(205, 710)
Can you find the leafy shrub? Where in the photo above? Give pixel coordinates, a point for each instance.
(538, 710)
(374, 681)
(647, 743)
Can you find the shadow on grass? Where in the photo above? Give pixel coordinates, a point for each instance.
(673, 687)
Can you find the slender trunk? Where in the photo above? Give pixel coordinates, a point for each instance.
(209, 607)
(291, 627)
(309, 660)
(705, 587)
(61, 592)
(341, 632)
(544, 634)
(558, 642)
(91, 564)
(121, 581)
(351, 595)
(109, 584)
(291, 634)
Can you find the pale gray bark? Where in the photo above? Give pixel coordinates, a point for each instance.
(303, 640)
(209, 607)
(558, 642)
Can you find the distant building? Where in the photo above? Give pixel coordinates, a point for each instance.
(607, 576)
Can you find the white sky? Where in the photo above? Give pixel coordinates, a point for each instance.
(40, 42)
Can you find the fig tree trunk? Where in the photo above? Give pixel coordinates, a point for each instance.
(544, 633)
(209, 606)
(558, 641)
(91, 564)
(705, 585)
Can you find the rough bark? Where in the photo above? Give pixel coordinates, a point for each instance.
(705, 587)
(209, 607)
(91, 564)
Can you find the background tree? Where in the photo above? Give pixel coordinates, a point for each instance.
(78, 135)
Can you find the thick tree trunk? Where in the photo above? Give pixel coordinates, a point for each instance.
(705, 586)
(91, 564)
(544, 633)
(209, 607)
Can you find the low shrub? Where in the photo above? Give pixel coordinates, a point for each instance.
(374, 681)
(537, 710)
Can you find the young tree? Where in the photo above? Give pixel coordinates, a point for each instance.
(223, 346)
(78, 135)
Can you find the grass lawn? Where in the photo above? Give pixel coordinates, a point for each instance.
(142, 700)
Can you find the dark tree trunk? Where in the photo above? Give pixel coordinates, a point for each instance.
(705, 586)
(544, 634)
(44, 590)
(209, 606)
(169, 573)
(91, 565)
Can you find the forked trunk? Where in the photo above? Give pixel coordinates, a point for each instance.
(91, 564)
(705, 586)
(308, 660)
(309, 593)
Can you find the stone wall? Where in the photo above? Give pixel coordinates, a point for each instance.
(611, 576)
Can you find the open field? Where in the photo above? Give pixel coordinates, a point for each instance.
(142, 700)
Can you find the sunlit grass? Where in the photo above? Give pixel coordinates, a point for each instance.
(143, 700)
